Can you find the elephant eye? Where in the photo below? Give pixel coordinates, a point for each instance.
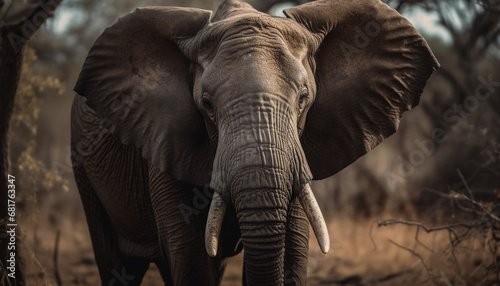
(209, 107)
(304, 96)
(205, 101)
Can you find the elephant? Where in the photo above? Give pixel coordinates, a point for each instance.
(196, 136)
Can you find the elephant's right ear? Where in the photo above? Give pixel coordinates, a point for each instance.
(371, 67)
(139, 83)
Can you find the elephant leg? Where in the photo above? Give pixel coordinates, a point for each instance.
(296, 246)
(181, 210)
(113, 267)
(104, 240)
(164, 272)
(130, 272)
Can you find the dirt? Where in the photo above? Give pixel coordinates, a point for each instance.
(387, 256)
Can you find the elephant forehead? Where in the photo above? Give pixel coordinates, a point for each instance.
(265, 31)
(258, 51)
(253, 72)
(242, 33)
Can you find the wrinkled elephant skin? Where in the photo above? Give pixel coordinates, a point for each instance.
(174, 104)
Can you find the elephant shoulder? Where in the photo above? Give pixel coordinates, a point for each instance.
(88, 132)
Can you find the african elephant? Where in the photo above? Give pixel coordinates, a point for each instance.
(196, 136)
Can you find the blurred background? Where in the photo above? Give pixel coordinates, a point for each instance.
(421, 208)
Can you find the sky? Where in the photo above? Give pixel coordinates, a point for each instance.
(426, 23)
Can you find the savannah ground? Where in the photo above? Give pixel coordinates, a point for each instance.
(362, 253)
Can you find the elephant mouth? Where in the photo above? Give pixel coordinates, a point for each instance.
(307, 200)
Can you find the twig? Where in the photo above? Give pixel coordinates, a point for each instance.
(4, 16)
(371, 237)
(4, 277)
(56, 268)
(359, 280)
(463, 197)
(465, 184)
(429, 270)
(34, 262)
(456, 197)
(421, 243)
(42, 268)
(485, 220)
(427, 229)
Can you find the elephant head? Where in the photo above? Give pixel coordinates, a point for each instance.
(257, 106)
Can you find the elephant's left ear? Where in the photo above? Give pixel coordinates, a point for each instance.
(138, 81)
(371, 66)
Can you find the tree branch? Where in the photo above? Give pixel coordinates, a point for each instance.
(54, 259)
(459, 89)
(429, 270)
(490, 5)
(6, 11)
(34, 21)
(426, 228)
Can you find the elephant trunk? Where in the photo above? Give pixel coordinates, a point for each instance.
(263, 236)
(306, 199)
(262, 217)
(258, 168)
(261, 197)
(259, 186)
(262, 214)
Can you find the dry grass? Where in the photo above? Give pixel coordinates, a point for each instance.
(390, 256)
(393, 256)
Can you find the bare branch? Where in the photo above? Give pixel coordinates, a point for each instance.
(420, 243)
(54, 259)
(486, 209)
(371, 237)
(429, 270)
(465, 183)
(490, 5)
(427, 229)
(458, 87)
(41, 13)
(444, 21)
(2, 18)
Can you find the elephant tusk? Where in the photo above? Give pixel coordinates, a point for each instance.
(313, 212)
(214, 224)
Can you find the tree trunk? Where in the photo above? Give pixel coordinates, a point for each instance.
(10, 71)
(12, 40)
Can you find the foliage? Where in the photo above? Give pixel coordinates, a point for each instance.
(29, 95)
(33, 173)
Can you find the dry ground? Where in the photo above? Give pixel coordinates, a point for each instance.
(390, 256)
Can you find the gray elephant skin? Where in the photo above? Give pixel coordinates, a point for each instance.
(195, 136)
